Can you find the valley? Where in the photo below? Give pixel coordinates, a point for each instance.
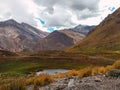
(25, 63)
(83, 55)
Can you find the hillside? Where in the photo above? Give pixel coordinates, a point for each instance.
(106, 36)
(59, 40)
(62, 39)
(18, 37)
(83, 29)
(7, 53)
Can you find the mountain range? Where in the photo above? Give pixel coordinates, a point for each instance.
(62, 39)
(83, 29)
(106, 36)
(17, 37)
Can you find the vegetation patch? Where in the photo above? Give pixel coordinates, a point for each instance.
(22, 82)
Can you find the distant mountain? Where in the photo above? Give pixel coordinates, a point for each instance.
(59, 40)
(83, 29)
(105, 36)
(7, 53)
(38, 33)
(17, 37)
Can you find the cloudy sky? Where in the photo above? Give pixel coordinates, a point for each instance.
(49, 15)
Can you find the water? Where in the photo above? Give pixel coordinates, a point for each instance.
(52, 71)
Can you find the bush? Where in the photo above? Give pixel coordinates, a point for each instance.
(88, 71)
(42, 79)
(116, 65)
(101, 70)
(19, 84)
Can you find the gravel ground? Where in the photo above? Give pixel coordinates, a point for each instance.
(110, 81)
(99, 82)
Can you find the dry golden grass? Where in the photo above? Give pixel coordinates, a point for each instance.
(44, 79)
(22, 83)
(89, 71)
(19, 84)
(41, 80)
(116, 64)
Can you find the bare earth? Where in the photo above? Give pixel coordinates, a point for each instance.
(99, 82)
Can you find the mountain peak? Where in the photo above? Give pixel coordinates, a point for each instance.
(83, 29)
(25, 24)
(10, 21)
(106, 36)
(117, 12)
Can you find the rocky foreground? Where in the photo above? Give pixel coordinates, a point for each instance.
(99, 82)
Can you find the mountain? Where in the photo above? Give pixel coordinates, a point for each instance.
(17, 37)
(7, 54)
(33, 30)
(62, 39)
(59, 40)
(83, 29)
(106, 36)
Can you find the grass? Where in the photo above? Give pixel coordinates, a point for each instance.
(89, 71)
(41, 80)
(105, 36)
(18, 66)
(30, 65)
(24, 65)
(28, 62)
(19, 84)
(22, 82)
(34, 62)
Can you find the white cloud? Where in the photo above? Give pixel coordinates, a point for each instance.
(104, 6)
(62, 12)
(57, 13)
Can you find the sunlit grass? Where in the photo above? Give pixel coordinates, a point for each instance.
(21, 83)
(89, 71)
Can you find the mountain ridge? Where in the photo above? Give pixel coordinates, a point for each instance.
(59, 40)
(14, 37)
(106, 36)
(19, 37)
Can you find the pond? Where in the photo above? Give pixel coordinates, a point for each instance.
(52, 71)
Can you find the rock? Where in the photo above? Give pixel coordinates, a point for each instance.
(71, 84)
(99, 82)
(114, 73)
(88, 87)
(118, 86)
(30, 87)
(97, 79)
(59, 87)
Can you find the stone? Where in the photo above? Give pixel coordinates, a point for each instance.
(114, 73)
(88, 87)
(71, 84)
(97, 79)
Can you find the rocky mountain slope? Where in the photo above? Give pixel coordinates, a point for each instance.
(83, 29)
(18, 37)
(59, 40)
(99, 82)
(105, 36)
